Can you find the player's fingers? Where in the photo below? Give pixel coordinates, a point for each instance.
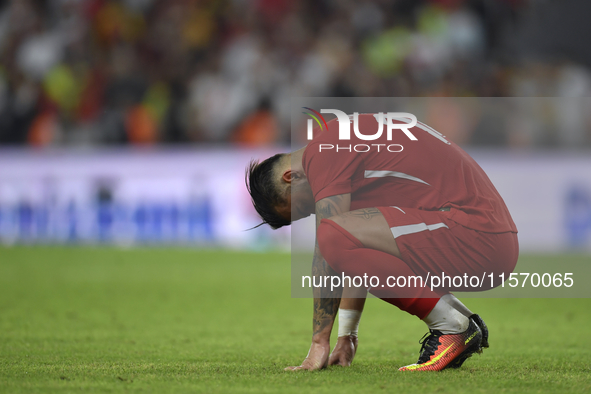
(333, 359)
(298, 368)
(340, 359)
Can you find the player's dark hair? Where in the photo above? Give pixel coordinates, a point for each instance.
(264, 191)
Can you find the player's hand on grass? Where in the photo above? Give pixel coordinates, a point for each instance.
(317, 358)
(344, 351)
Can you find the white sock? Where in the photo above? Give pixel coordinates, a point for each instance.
(446, 319)
(457, 304)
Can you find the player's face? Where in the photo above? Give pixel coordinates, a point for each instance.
(301, 200)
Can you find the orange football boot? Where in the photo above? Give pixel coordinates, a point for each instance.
(440, 351)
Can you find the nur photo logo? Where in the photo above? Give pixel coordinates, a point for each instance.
(345, 124)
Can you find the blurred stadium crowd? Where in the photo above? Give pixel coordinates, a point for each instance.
(106, 72)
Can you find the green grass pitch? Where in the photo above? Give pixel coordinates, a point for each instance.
(180, 320)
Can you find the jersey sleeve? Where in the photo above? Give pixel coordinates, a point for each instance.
(330, 172)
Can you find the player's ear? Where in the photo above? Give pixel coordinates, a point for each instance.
(287, 176)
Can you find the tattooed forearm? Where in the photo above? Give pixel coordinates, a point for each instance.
(331, 206)
(326, 311)
(326, 301)
(364, 213)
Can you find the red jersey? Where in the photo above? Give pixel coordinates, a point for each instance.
(430, 173)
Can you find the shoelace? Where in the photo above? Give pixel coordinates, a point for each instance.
(429, 343)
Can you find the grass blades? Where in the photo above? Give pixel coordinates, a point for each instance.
(85, 319)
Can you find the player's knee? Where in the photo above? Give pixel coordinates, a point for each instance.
(327, 237)
(333, 242)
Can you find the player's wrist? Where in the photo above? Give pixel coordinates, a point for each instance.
(321, 338)
(349, 322)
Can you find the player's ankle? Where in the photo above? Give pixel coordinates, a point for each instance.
(446, 319)
(457, 305)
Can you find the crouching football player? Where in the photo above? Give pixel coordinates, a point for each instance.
(425, 208)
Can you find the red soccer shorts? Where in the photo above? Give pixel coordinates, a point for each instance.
(430, 242)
